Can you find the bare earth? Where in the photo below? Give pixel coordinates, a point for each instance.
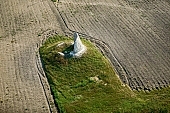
(138, 32)
(23, 86)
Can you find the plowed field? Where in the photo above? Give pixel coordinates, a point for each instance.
(23, 86)
(137, 31)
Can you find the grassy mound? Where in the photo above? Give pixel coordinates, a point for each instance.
(90, 85)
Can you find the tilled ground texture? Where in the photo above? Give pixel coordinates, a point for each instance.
(23, 24)
(137, 31)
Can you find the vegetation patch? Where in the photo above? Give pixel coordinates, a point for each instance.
(53, 0)
(90, 85)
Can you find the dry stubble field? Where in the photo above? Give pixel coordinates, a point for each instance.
(137, 31)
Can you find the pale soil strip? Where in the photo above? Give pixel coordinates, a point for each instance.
(145, 46)
(133, 44)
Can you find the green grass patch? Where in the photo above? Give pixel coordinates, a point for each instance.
(53, 0)
(90, 85)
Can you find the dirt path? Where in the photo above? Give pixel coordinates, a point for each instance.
(136, 30)
(23, 87)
